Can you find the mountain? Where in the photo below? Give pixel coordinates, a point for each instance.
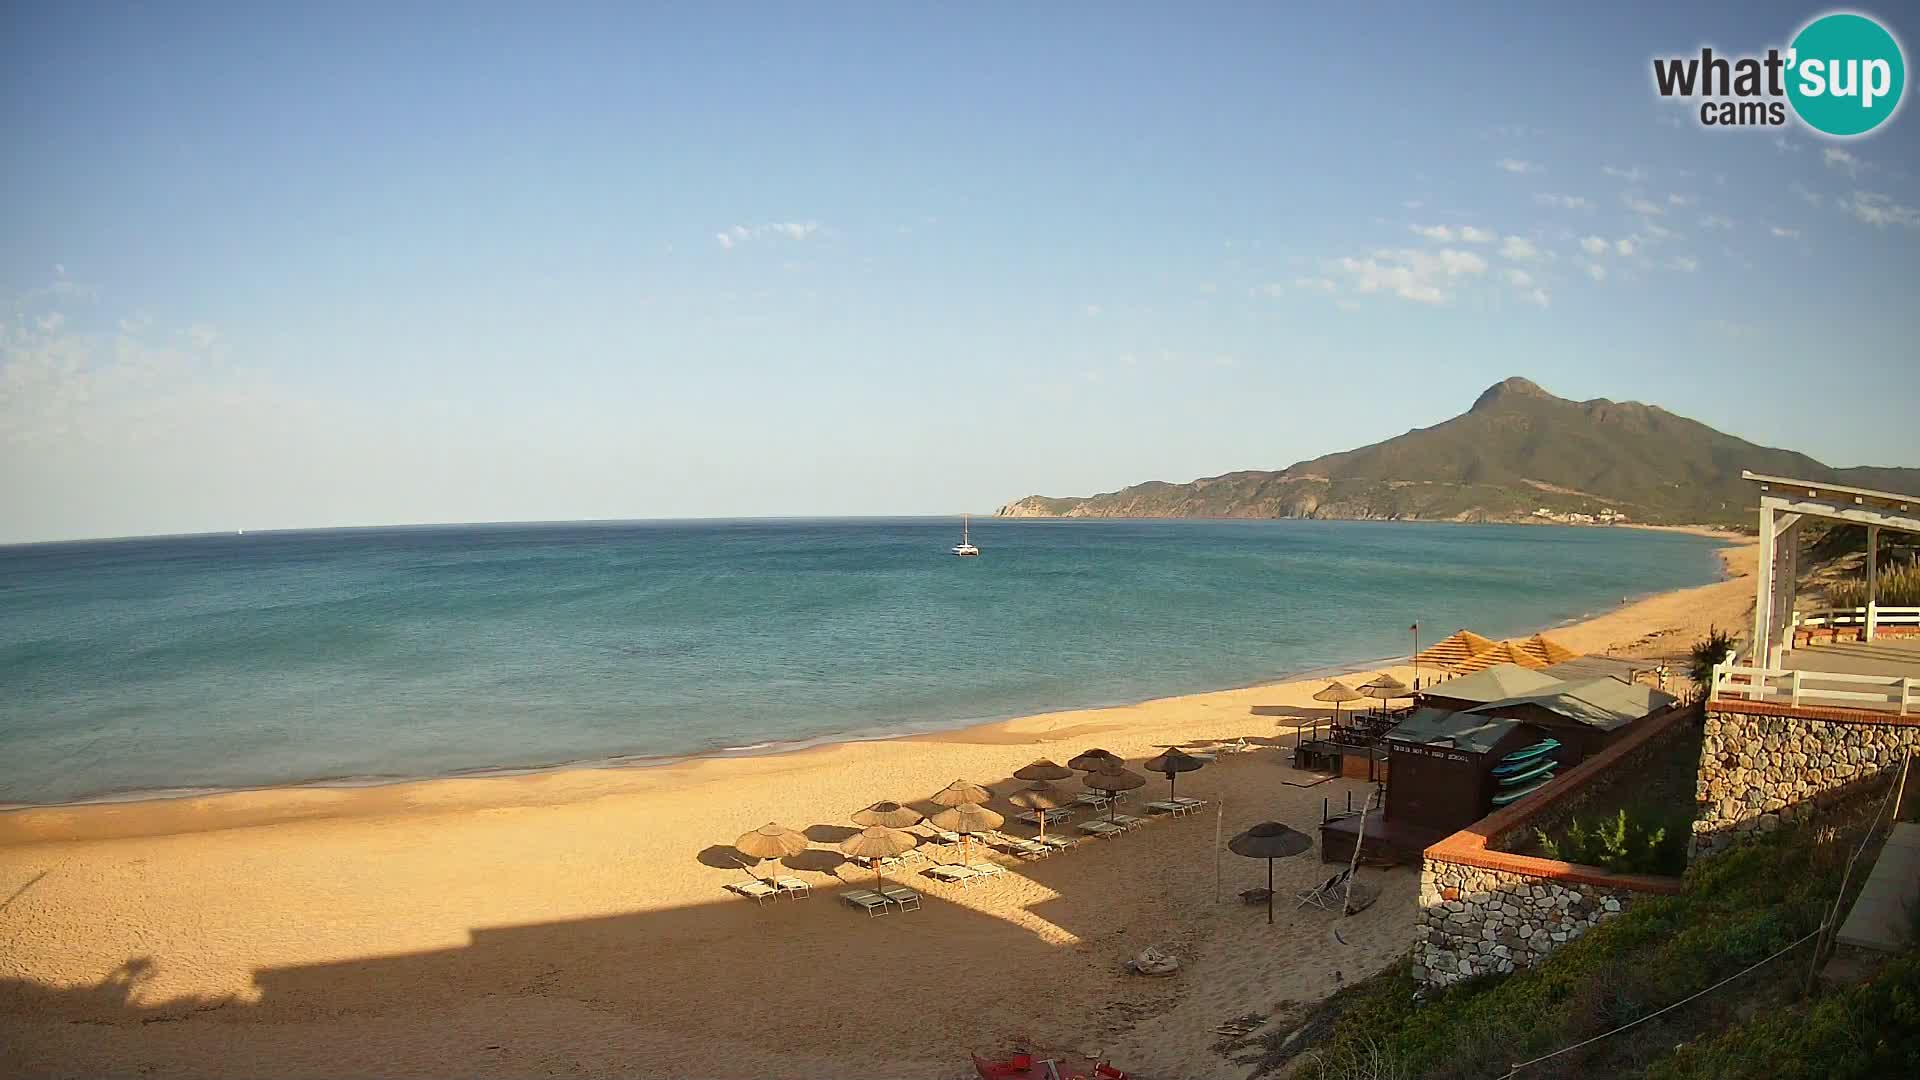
(1519, 449)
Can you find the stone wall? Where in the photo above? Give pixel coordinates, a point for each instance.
(1474, 920)
(1762, 765)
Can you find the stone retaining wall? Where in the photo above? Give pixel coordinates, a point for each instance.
(1763, 765)
(1475, 921)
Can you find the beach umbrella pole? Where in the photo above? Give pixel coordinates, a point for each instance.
(1269, 892)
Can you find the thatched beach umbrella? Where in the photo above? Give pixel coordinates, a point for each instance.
(1094, 759)
(1042, 770)
(770, 841)
(1337, 693)
(889, 815)
(961, 793)
(1112, 779)
(1041, 798)
(1384, 688)
(877, 842)
(1171, 764)
(1270, 840)
(967, 819)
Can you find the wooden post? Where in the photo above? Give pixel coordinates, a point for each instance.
(1353, 866)
(1219, 816)
(1794, 686)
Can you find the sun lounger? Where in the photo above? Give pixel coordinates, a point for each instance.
(1098, 827)
(757, 891)
(1088, 798)
(906, 899)
(1323, 895)
(1029, 849)
(1165, 807)
(986, 869)
(943, 835)
(1238, 746)
(1032, 817)
(1190, 803)
(1058, 842)
(874, 904)
(952, 873)
(1126, 821)
(1255, 896)
(792, 886)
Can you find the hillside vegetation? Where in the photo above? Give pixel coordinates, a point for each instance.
(1518, 449)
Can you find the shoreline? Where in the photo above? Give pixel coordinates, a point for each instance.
(166, 811)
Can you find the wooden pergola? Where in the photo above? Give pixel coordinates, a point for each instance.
(1785, 503)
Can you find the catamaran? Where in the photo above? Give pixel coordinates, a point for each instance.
(964, 547)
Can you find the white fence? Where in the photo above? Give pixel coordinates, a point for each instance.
(1890, 693)
(1872, 617)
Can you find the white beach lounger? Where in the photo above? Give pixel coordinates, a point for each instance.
(1058, 842)
(1024, 848)
(1088, 798)
(757, 891)
(951, 873)
(987, 869)
(1099, 827)
(1125, 821)
(1190, 804)
(1165, 807)
(906, 899)
(872, 902)
(792, 886)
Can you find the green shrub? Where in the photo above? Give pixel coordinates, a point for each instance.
(1715, 648)
(1625, 847)
(1899, 586)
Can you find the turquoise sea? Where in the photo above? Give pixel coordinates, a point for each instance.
(193, 663)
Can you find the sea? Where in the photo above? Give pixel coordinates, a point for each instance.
(166, 666)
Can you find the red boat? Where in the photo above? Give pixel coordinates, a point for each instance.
(1024, 1066)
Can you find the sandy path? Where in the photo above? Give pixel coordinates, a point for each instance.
(567, 923)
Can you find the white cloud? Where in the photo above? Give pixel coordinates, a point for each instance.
(1434, 232)
(1315, 284)
(1518, 278)
(1715, 221)
(1656, 230)
(1564, 202)
(1783, 232)
(791, 230)
(1519, 165)
(1413, 204)
(1686, 264)
(1540, 297)
(1476, 236)
(1811, 198)
(1093, 311)
(1643, 206)
(1624, 246)
(1421, 276)
(1593, 245)
(1785, 145)
(1519, 248)
(1880, 211)
(1634, 175)
(1596, 272)
(1676, 199)
(1837, 158)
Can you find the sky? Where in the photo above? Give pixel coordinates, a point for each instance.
(375, 263)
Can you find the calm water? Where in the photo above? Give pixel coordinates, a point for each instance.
(230, 661)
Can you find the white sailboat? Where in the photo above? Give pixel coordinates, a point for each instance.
(965, 547)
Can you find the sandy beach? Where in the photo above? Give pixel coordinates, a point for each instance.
(576, 922)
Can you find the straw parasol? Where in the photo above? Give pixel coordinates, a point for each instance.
(877, 842)
(770, 841)
(890, 815)
(1337, 694)
(1453, 650)
(1270, 840)
(1385, 688)
(1113, 778)
(961, 793)
(1171, 764)
(1094, 759)
(1040, 798)
(1042, 770)
(967, 819)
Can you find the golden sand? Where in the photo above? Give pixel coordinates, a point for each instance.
(571, 922)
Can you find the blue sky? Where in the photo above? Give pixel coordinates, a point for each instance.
(363, 265)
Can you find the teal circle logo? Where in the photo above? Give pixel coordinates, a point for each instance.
(1846, 74)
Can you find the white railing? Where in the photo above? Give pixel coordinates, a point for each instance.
(1872, 617)
(1897, 693)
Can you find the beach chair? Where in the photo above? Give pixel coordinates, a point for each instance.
(1165, 807)
(943, 835)
(952, 873)
(1323, 895)
(874, 904)
(1097, 801)
(792, 886)
(984, 869)
(1099, 827)
(1058, 842)
(1126, 821)
(1191, 804)
(1026, 849)
(902, 897)
(756, 890)
(1238, 746)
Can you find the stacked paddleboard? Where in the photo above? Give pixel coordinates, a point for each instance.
(1524, 771)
